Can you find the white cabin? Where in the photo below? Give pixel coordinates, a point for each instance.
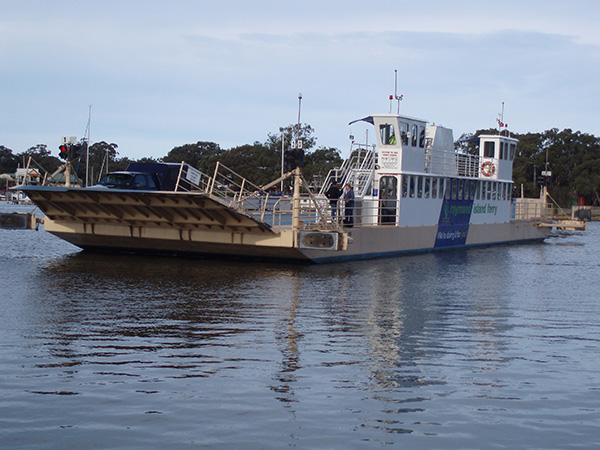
(417, 171)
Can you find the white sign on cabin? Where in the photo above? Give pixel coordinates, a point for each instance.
(388, 159)
(193, 176)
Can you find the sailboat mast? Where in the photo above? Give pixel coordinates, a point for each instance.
(87, 149)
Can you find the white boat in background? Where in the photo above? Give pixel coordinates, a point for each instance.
(413, 193)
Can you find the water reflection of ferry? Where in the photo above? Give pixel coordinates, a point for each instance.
(413, 192)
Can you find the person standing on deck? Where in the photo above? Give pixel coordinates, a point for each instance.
(333, 194)
(349, 209)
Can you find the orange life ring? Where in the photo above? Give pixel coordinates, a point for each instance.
(488, 169)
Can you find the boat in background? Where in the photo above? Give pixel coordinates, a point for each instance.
(412, 193)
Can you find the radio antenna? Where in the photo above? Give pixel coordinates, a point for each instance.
(396, 97)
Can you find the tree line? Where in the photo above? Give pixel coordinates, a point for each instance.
(573, 158)
(260, 162)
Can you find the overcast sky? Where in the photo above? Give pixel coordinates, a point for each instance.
(159, 74)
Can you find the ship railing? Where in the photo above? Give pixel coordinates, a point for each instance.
(314, 211)
(234, 190)
(531, 209)
(274, 209)
(191, 179)
(364, 213)
(467, 165)
(450, 163)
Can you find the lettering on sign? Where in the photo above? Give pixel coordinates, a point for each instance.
(193, 176)
(485, 209)
(388, 159)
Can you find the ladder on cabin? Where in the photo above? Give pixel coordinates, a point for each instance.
(358, 170)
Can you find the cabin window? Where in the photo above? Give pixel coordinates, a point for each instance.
(422, 137)
(404, 186)
(473, 185)
(411, 192)
(434, 185)
(503, 150)
(404, 132)
(388, 134)
(513, 148)
(426, 187)
(460, 188)
(488, 190)
(419, 187)
(414, 135)
(489, 149)
(454, 188)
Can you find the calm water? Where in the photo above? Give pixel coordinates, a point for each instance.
(486, 348)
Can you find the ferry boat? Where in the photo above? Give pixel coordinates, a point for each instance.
(412, 193)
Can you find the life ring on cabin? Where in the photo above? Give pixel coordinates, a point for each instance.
(488, 169)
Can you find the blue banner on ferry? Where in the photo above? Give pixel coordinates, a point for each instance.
(453, 225)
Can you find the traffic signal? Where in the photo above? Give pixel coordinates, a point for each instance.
(76, 150)
(64, 151)
(293, 158)
(70, 151)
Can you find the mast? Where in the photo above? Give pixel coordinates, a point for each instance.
(396, 97)
(296, 196)
(87, 148)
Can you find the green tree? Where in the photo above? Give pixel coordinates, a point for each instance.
(290, 133)
(528, 164)
(41, 156)
(201, 155)
(321, 161)
(585, 180)
(256, 162)
(102, 159)
(8, 161)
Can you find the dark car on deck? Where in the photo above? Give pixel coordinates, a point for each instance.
(130, 180)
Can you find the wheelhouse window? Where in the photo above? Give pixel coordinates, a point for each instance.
(489, 149)
(388, 134)
(422, 137)
(404, 186)
(404, 132)
(414, 135)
